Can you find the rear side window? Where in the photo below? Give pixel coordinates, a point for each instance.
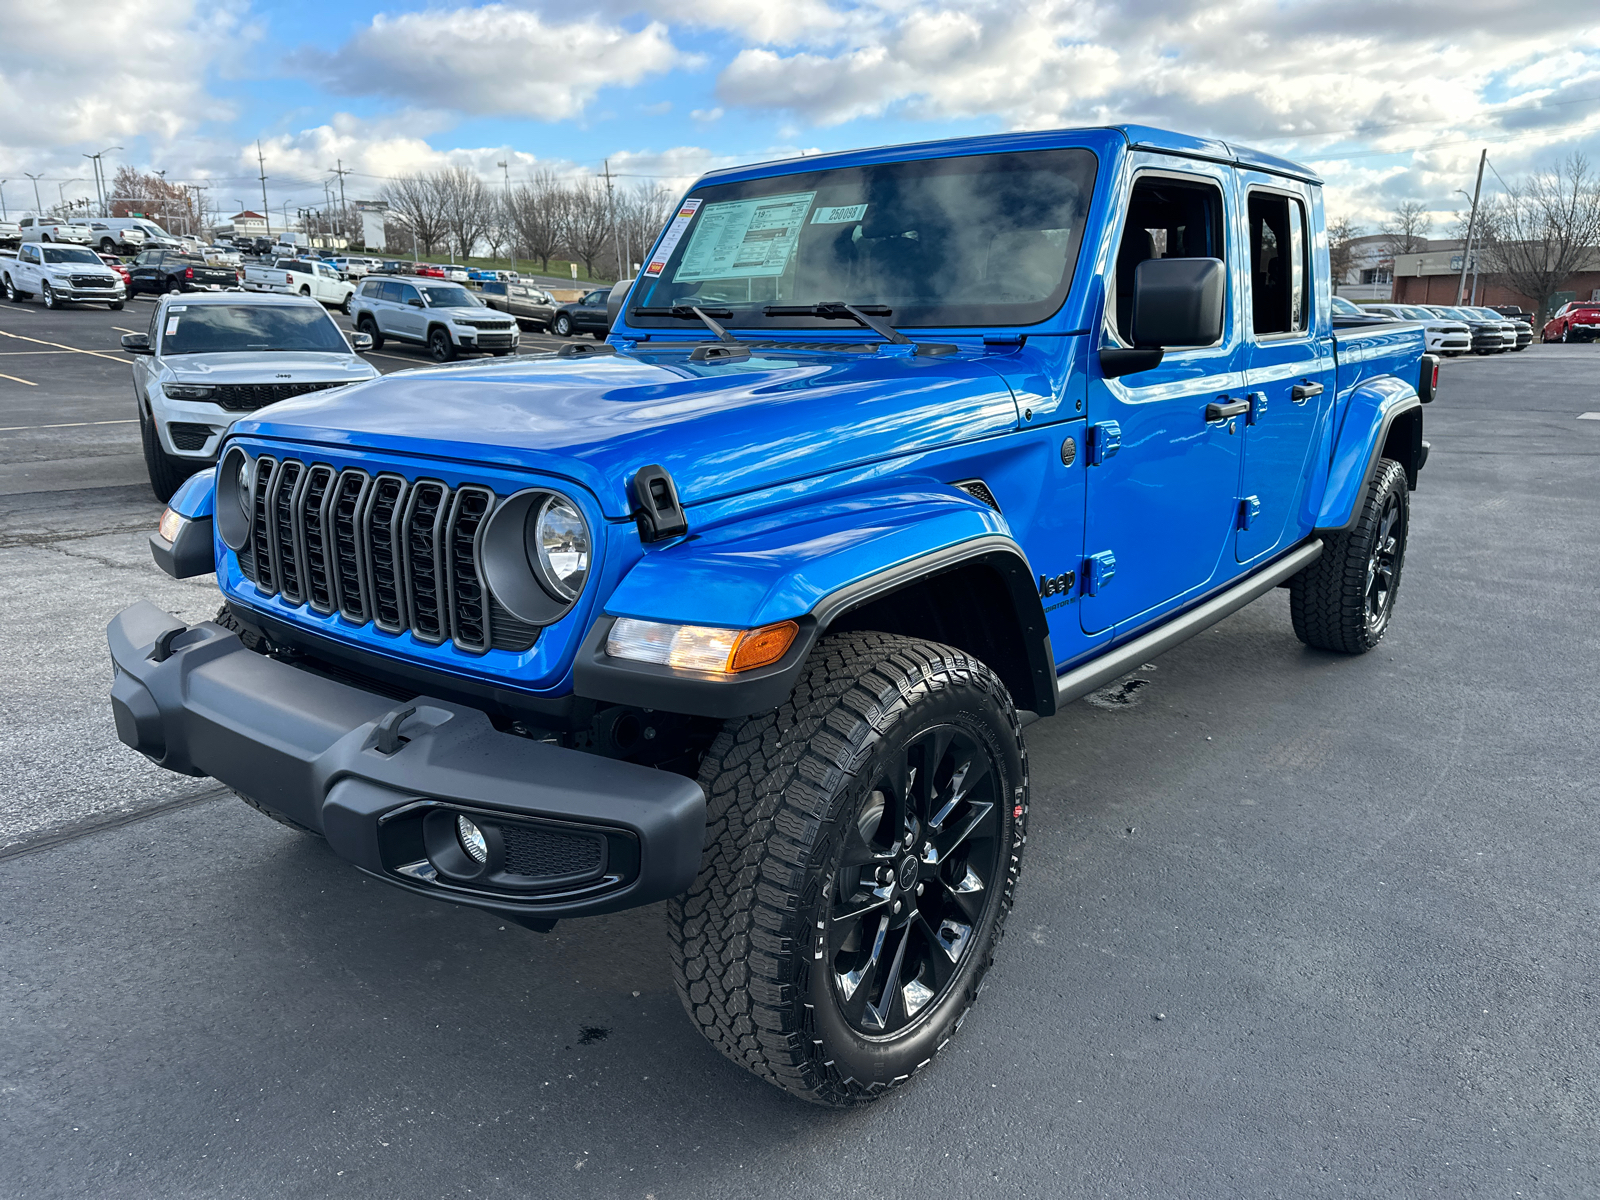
(1167, 218)
(371, 289)
(1278, 269)
(391, 293)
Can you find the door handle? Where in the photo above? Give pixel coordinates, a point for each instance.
(1301, 392)
(1223, 409)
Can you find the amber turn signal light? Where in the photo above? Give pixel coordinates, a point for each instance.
(762, 647)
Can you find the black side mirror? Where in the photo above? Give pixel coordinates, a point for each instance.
(1176, 302)
(414, 303)
(137, 343)
(614, 301)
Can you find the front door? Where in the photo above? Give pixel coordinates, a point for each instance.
(407, 319)
(1288, 370)
(1164, 473)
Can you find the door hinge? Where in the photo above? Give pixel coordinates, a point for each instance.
(1098, 570)
(1249, 510)
(1105, 439)
(1258, 407)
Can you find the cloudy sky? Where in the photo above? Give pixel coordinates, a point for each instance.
(1390, 99)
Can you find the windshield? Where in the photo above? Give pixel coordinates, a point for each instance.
(448, 297)
(61, 254)
(1420, 314)
(987, 239)
(1345, 308)
(236, 328)
(1488, 314)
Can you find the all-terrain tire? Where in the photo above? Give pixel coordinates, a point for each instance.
(1335, 602)
(785, 792)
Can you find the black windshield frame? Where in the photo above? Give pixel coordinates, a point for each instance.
(1035, 190)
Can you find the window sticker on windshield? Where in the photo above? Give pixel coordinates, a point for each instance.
(674, 236)
(172, 325)
(178, 308)
(745, 239)
(838, 215)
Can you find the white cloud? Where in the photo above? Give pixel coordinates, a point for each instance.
(496, 59)
(707, 115)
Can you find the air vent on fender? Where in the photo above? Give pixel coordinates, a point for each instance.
(978, 490)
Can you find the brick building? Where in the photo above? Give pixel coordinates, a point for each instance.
(1432, 277)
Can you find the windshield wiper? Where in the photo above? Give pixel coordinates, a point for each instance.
(688, 312)
(838, 310)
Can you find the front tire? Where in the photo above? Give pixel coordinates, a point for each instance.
(862, 849)
(11, 292)
(441, 347)
(166, 473)
(1344, 601)
(115, 305)
(47, 294)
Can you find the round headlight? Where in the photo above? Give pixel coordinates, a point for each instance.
(242, 486)
(561, 539)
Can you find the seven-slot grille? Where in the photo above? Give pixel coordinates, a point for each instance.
(247, 397)
(103, 282)
(379, 549)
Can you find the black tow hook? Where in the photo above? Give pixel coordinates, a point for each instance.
(389, 739)
(163, 646)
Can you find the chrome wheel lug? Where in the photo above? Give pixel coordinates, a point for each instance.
(920, 886)
(897, 906)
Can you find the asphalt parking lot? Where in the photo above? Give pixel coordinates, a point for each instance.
(1291, 924)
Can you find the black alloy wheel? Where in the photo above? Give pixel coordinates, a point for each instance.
(369, 327)
(1383, 565)
(917, 876)
(440, 347)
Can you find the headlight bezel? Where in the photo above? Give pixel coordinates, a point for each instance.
(510, 561)
(231, 507)
(189, 391)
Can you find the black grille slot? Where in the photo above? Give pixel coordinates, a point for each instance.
(550, 853)
(401, 555)
(188, 437)
(350, 569)
(979, 490)
(315, 500)
(266, 573)
(247, 397)
(423, 546)
(383, 552)
(284, 531)
(93, 281)
(470, 624)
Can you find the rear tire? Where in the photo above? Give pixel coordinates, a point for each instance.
(166, 473)
(562, 326)
(349, 303)
(863, 843)
(370, 327)
(1343, 602)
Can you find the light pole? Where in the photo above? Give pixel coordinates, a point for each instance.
(99, 176)
(3, 216)
(1472, 221)
(38, 204)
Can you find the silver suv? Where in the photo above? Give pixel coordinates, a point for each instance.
(445, 317)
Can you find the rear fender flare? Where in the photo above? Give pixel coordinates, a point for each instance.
(1382, 418)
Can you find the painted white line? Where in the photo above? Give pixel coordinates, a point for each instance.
(25, 353)
(120, 329)
(1589, 416)
(117, 358)
(14, 379)
(64, 424)
(415, 362)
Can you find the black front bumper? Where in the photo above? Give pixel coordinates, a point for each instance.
(384, 781)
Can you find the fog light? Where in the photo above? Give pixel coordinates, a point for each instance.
(472, 840)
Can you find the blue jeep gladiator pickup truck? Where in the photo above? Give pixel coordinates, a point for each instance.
(889, 453)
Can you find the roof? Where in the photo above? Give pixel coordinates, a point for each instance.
(1143, 137)
(239, 298)
(247, 215)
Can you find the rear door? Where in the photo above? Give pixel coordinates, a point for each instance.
(408, 320)
(1289, 368)
(1164, 471)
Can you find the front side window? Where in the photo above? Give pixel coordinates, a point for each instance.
(1278, 268)
(1167, 218)
(449, 297)
(406, 295)
(70, 254)
(979, 240)
(237, 328)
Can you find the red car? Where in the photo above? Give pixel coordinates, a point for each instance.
(116, 264)
(428, 269)
(1578, 321)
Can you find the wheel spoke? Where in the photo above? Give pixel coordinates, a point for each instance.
(855, 986)
(979, 821)
(968, 774)
(967, 895)
(863, 902)
(926, 754)
(877, 1015)
(937, 959)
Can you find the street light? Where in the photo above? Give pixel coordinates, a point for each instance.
(3, 216)
(38, 204)
(99, 176)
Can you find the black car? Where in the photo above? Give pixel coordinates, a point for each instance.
(1515, 312)
(173, 271)
(526, 303)
(588, 315)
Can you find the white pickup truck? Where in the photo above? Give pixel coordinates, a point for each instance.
(48, 229)
(60, 274)
(301, 277)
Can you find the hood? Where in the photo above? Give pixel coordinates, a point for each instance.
(287, 367)
(719, 428)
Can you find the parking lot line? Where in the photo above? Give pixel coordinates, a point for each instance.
(64, 424)
(95, 353)
(14, 379)
(1589, 416)
(120, 329)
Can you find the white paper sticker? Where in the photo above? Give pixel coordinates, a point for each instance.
(669, 243)
(745, 239)
(172, 325)
(849, 213)
(178, 308)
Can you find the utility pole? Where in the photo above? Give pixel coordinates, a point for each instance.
(616, 242)
(265, 211)
(344, 209)
(3, 216)
(1472, 222)
(38, 204)
(505, 208)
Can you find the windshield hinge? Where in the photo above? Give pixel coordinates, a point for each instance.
(1004, 341)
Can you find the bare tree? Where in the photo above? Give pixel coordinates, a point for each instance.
(1406, 231)
(170, 205)
(586, 232)
(414, 201)
(1341, 250)
(1544, 229)
(467, 206)
(536, 212)
(642, 212)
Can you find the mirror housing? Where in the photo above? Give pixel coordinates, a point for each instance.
(615, 301)
(1178, 302)
(361, 341)
(414, 303)
(137, 343)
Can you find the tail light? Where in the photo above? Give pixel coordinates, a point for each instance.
(188, 272)
(1428, 381)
